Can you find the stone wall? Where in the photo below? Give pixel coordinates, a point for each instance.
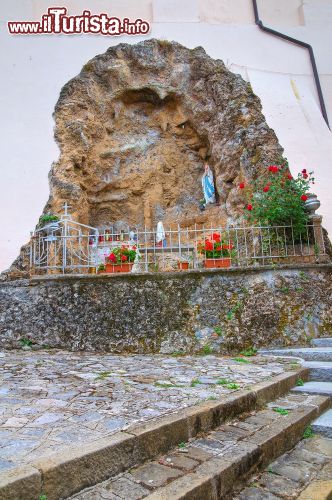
(170, 312)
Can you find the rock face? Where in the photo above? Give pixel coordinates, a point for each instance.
(168, 312)
(135, 128)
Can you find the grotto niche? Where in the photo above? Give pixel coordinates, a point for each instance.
(135, 128)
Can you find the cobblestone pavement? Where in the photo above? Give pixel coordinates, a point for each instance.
(51, 398)
(305, 468)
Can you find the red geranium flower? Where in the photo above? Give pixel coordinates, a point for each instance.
(273, 168)
(290, 177)
(208, 245)
(216, 237)
(124, 258)
(266, 189)
(249, 207)
(304, 175)
(304, 171)
(241, 185)
(112, 257)
(304, 197)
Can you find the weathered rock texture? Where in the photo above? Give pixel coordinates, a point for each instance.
(135, 127)
(169, 312)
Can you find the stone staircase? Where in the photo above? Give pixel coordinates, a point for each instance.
(204, 452)
(318, 359)
(214, 464)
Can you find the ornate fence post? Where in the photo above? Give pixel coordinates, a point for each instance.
(316, 222)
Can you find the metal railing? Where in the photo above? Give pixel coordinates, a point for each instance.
(69, 247)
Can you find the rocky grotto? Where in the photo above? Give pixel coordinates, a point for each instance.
(135, 129)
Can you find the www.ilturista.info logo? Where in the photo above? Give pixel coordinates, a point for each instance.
(56, 21)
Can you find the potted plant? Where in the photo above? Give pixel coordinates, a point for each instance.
(49, 222)
(183, 264)
(121, 259)
(101, 269)
(183, 261)
(217, 251)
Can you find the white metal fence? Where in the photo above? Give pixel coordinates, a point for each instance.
(70, 247)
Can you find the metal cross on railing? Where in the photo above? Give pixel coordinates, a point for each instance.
(66, 214)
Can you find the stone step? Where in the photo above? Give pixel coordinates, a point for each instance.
(322, 388)
(319, 370)
(307, 353)
(323, 342)
(323, 424)
(211, 465)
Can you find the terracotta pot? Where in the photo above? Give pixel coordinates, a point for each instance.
(119, 268)
(217, 263)
(183, 265)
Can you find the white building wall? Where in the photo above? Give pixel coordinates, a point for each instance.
(34, 68)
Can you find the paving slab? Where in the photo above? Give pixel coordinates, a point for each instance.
(319, 370)
(125, 488)
(180, 462)
(317, 490)
(154, 475)
(256, 494)
(317, 444)
(312, 387)
(322, 342)
(323, 424)
(307, 353)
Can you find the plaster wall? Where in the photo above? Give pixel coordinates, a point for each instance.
(34, 68)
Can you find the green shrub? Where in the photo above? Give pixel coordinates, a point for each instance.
(46, 218)
(275, 198)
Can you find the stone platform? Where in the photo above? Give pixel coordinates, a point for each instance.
(189, 312)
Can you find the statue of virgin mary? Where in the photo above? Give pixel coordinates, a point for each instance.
(208, 185)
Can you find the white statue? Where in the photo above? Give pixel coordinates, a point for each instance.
(138, 267)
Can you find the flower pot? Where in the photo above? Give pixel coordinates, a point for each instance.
(50, 227)
(119, 268)
(183, 266)
(217, 263)
(312, 203)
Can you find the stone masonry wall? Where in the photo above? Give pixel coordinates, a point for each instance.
(170, 312)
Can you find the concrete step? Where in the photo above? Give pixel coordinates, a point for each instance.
(319, 370)
(323, 342)
(307, 353)
(321, 388)
(323, 424)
